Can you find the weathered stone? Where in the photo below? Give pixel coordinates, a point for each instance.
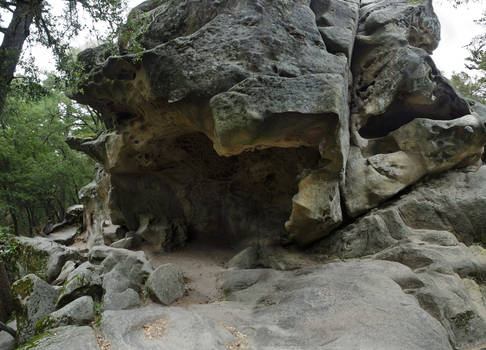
(337, 306)
(407, 121)
(248, 79)
(7, 341)
(270, 123)
(316, 208)
(163, 328)
(74, 214)
(68, 267)
(246, 259)
(422, 146)
(124, 275)
(125, 243)
(86, 279)
(126, 299)
(93, 196)
(39, 256)
(77, 313)
(426, 230)
(62, 338)
(33, 299)
(65, 236)
(166, 284)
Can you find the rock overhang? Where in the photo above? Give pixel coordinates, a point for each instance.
(335, 89)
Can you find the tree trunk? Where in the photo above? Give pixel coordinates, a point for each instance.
(15, 222)
(5, 301)
(29, 218)
(11, 49)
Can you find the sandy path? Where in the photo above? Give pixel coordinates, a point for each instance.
(202, 263)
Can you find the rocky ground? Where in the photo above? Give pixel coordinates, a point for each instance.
(391, 280)
(274, 175)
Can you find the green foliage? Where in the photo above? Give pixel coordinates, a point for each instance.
(470, 86)
(473, 83)
(39, 174)
(8, 245)
(35, 342)
(98, 310)
(132, 32)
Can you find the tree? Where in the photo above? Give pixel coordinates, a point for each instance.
(39, 174)
(472, 84)
(37, 20)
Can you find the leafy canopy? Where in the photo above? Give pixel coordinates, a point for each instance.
(39, 174)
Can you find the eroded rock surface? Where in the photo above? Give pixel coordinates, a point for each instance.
(33, 299)
(438, 231)
(338, 306)
(234, 108)
(320, 124)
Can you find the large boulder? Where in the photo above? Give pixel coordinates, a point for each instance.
(39, 256)
(78, 313)
(437, 230)
(33, 299)
(246, 82)
(124, 275)
(236, 115)
(86, 279)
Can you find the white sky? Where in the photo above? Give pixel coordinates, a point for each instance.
(458, 28)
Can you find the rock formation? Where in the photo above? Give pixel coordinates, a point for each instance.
(312, 132)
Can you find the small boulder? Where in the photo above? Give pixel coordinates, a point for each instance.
(125, 243)
(86, 279)
(79, 312)
(33, 299)
(166, 284)
(68, 267)
(246, 259)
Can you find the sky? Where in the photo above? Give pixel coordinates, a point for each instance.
(458, 28)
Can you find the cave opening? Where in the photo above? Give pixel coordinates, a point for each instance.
(447, 106)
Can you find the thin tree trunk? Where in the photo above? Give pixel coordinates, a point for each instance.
(5, 299)
(13, 41)
(29, 218)
(15, 222)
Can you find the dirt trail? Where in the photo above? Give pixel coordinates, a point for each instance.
(202, 263)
